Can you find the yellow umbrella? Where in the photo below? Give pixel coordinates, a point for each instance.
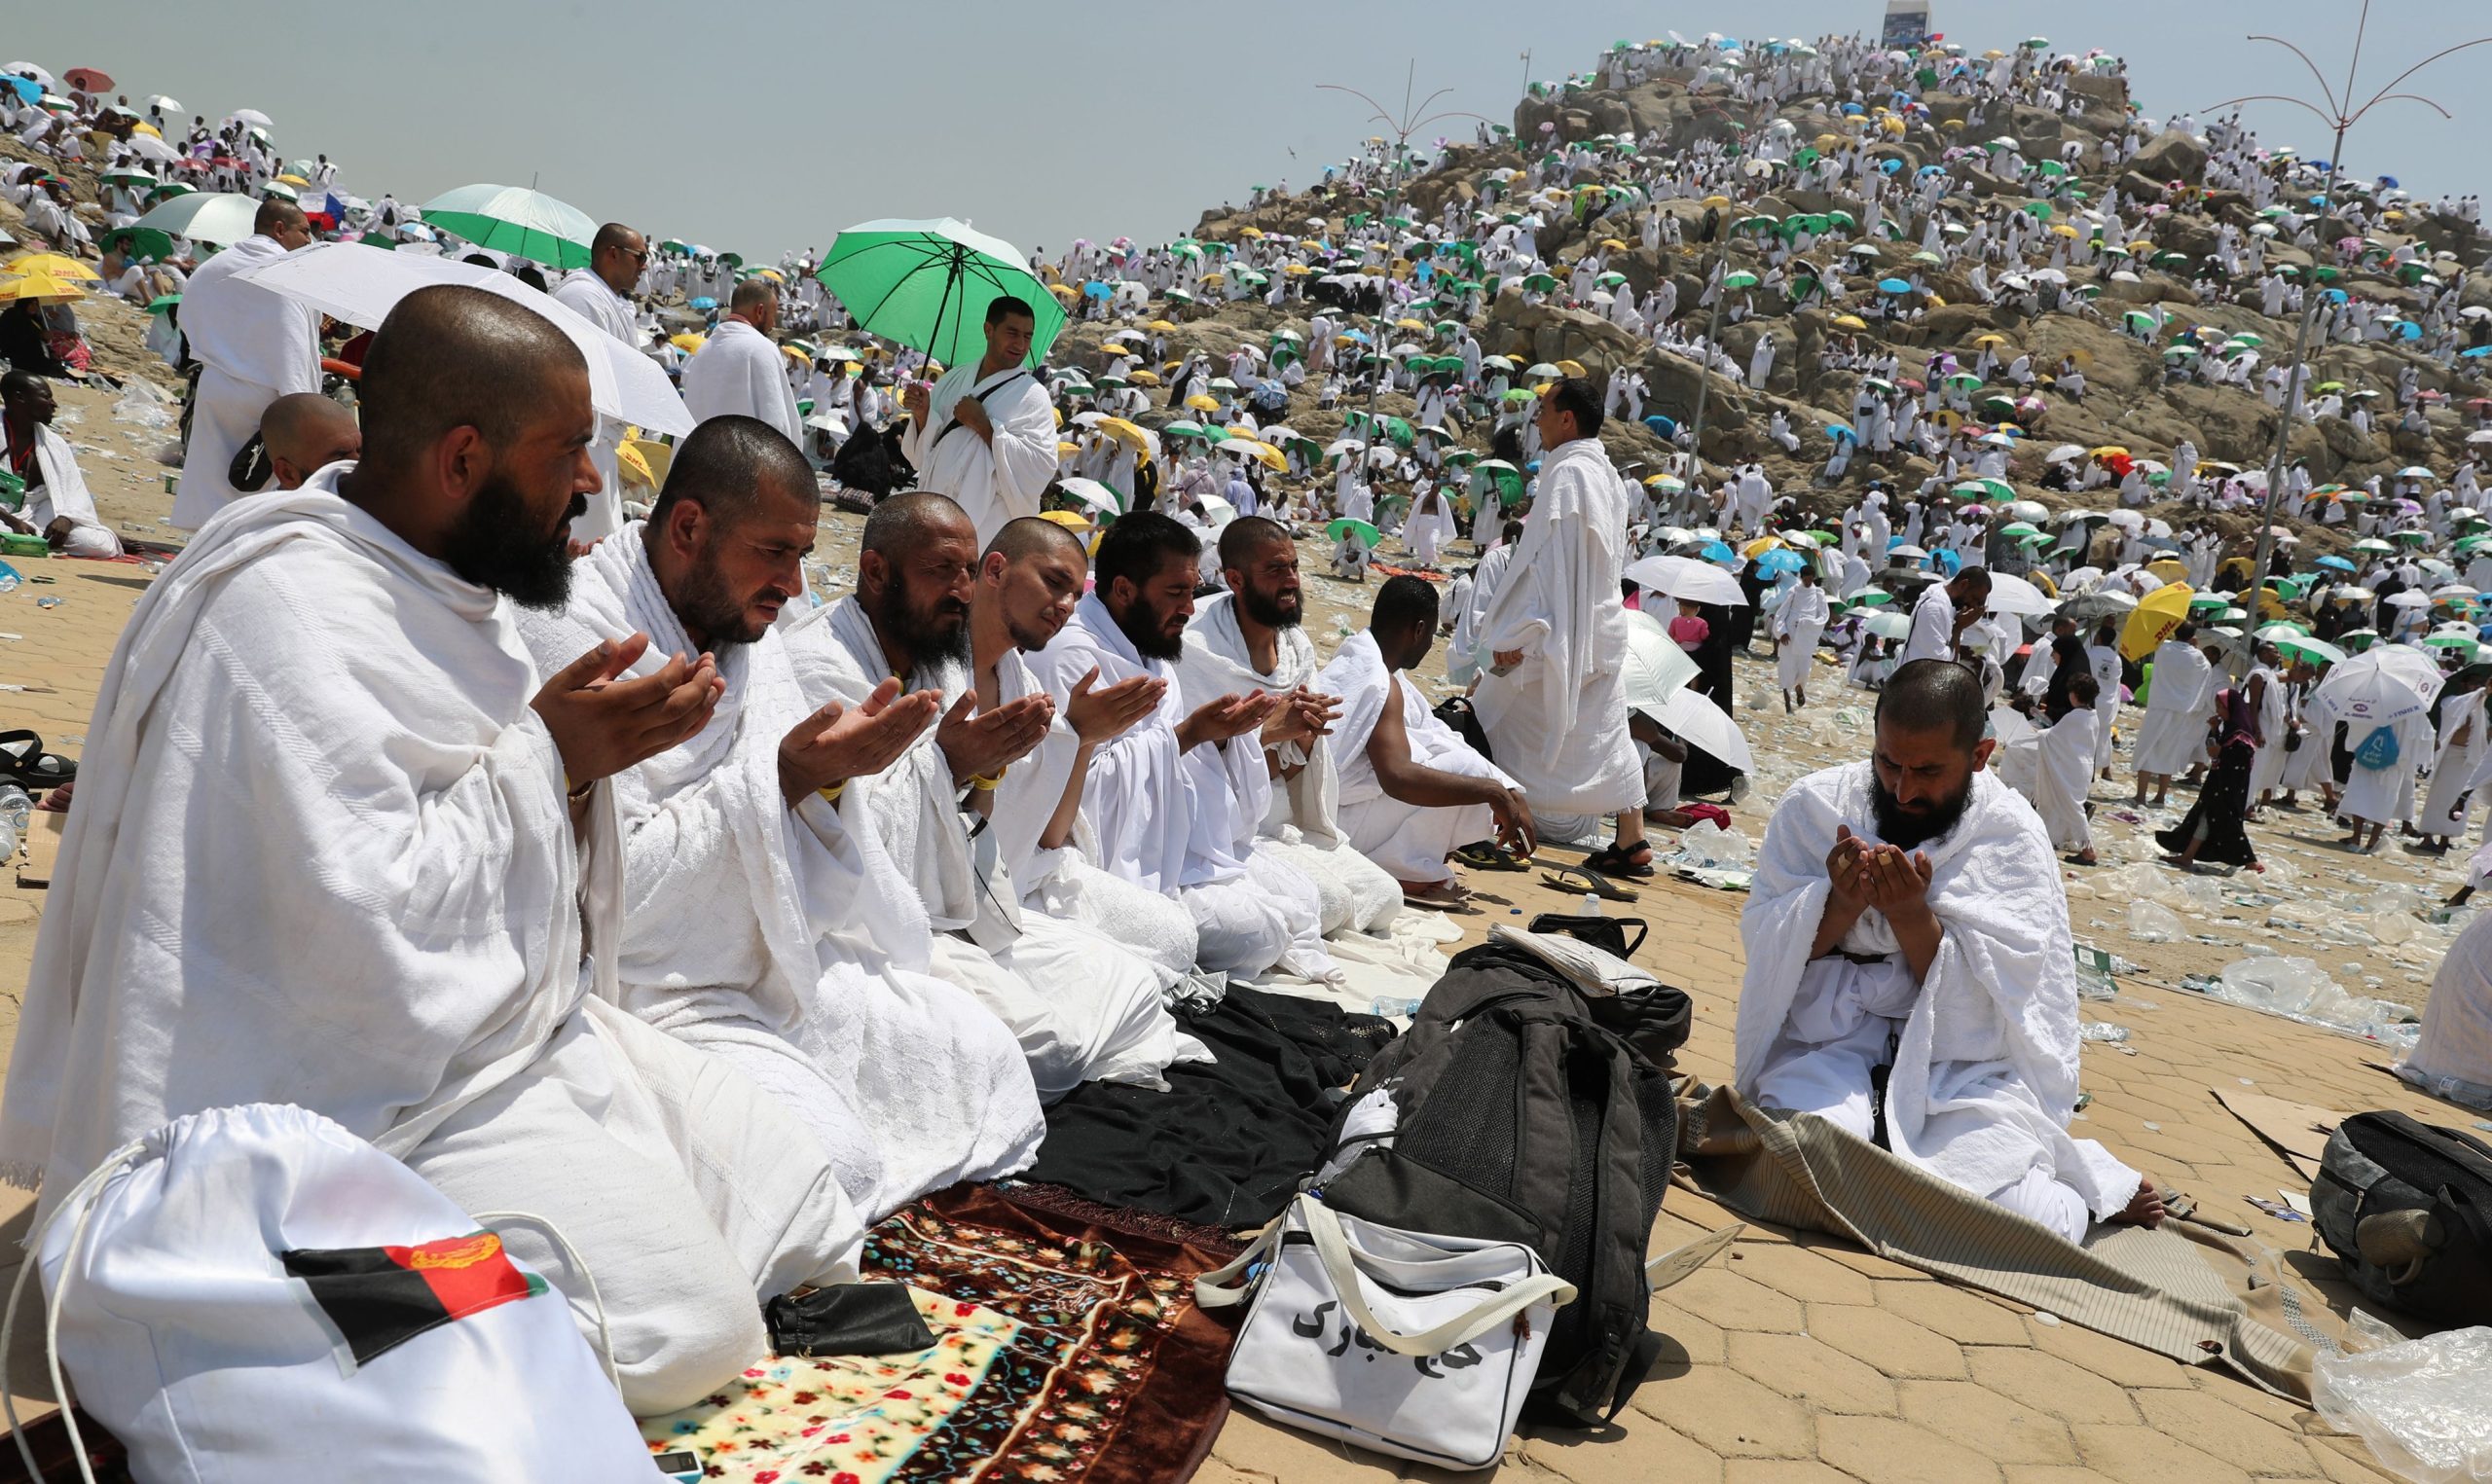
(1123, 432)
(2108, 450)
(1143, 377)
(1062, 447)
(1893, 126)
(290, 179)
(1296, 269)
(1120, 348)
(1410, 324)
(2042, 580)
(147, 129)
(1715, 200)
(1250, 231)
(1613, 244)
(1065, 291)
(793, 354)
(1241, 430)
(686, 343)
(632, 463)
(1262, 452)
(1851, 323)
(1158, 324)
(1573, 368)
(1760, 546)
(42, 289)
(2156, 615)
(2062, 230)
(1070, 520)
(1937, 303)
(2169, 569)
(1059, 416)
(51, 264)
(1203, 404)
(1981, 340)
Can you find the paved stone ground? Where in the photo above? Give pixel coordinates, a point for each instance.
(1801, 1358)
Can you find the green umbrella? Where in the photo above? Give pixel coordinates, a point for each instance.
(1740, 280)
(513, 219)
(928, 285)
(219, 217)
(1368, 534)
(1183, 429)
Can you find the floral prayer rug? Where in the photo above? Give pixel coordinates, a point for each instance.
(1068, 1346)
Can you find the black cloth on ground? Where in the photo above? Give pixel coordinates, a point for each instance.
(1229, 1143)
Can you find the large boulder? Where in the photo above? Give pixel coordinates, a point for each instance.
(2173, 155)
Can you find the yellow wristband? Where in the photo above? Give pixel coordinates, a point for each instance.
(831, 794)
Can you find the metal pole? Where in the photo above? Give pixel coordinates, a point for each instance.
(1704, 367)
(2294, 383)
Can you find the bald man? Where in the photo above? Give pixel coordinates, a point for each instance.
(601, 293)
(253, 345)
(738, 371)
(763, 919)
(342, 844)
(1083, 1009)
(305, 432)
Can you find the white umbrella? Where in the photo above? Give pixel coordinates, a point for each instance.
(1217, 511)
(1888, 625)
(2064, 453)
(164, 104)
(2309, 648)
(29, 69)
(1654, 665)
(2011, 593)
(221, 217)
(360, 285)
(1705, 726)
(2383, 684)
(2410, 597)
(1686, 578)
(149, 147)
(250, 116)
(1096, 496)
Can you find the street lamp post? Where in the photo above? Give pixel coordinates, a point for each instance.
(2341, 116)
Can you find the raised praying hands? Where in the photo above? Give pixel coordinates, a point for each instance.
(983, 743)
(1303, 715)
(1103, 716)
(1219, 720)
(601, 725)
(839, 743)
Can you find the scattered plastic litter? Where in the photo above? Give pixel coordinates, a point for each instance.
(2421, 1406)
(2277, 1209)
(1709, 847)
(2299, 989)
(50, 603)
(2153, 923)
(2103, 1033)
(1393, 1008)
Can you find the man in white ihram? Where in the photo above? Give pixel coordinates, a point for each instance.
(764, 922)
(1553, 700)
(253, 345)
(985, 434)
(738, 371)
(615, 258)
(1907, 923)
(333, 864)
(1942, 613)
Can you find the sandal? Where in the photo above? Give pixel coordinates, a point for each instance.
(1444, 897)
(32, 768)
(1583, 878)
(1610, 860)
(1489, 855)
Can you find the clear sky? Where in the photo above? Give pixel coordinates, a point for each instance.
(770, 124)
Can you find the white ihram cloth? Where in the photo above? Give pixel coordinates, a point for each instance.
(738, 371)
(996, 482)
(2103, 662)
(581, 289)
(2065, 772)
(329, 863)
(1408, 841)
(2268, 764)
(2173, 735)
(1798, 624)
(1302, 824)
(254, 345)
(1984, 1050)
(2456, 1044)
(781, 938)
(62, 495)
(2385, 795)
(1062, 882)
(1082, 1008)
(2461, 751)
(1932, 634)
(1557, 721)
(1182, 823)
(1425, 531)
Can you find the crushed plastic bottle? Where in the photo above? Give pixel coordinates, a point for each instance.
(1708, 844)
(2101, 1034)
(2153, 923)
(17, 806)
(8, 840)
(1392, 1007)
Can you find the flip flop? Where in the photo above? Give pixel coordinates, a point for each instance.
(1485, 855)
(1610, 860)
(31, 767)
(1572, 879)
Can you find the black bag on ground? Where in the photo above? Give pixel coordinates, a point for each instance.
(1530, 1111)
(2408, 1208)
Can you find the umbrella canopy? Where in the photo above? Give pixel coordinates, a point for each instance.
(514, 219)
(219, 217)
(1686, 578)
(1368, 535)
(928, 284)
(1096, 496)
(2011, 593)
(2383, 684)
(347, 283)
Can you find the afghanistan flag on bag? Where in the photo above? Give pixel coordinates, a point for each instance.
(378, 1298)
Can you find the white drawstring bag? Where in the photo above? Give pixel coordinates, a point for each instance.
(1410, 1344)
(254, 1293)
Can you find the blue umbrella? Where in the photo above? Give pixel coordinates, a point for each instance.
(704, 301)
(1947, 560)
(2337, 564)
(1096, 289)
(1780, 559)
(1841, 431)
(1893, 286)
(2337, 296)
(2388, 183)
(2479, 350)
(1715, 551)
(1661, 425)
(27, 87)
(1891, 166)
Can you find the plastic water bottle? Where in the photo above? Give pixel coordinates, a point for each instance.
(1591, 904)
(1393, 1008)
(9, 578)
(16, 807)
(8, 840)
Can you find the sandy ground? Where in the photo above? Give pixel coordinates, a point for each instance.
(1794, 1359)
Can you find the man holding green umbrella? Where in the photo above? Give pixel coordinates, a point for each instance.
(985, 433)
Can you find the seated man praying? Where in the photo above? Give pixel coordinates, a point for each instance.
(1909, 970)
(1413, 791)
(52, 500)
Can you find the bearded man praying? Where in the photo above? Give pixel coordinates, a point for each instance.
(1910, 975)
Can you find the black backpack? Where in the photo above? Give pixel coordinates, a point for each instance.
(1529, 1111)
(2408, 1208)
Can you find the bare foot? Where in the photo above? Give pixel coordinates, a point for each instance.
(2145, 1208)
